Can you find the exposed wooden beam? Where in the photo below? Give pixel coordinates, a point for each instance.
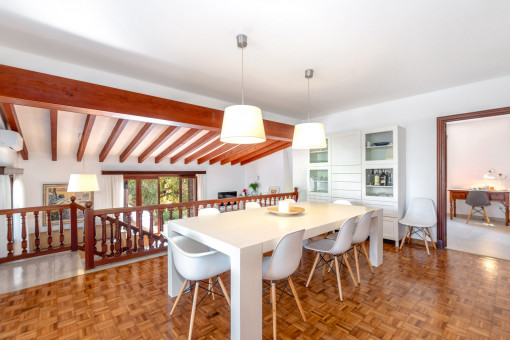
(53, 128)
(247, 151)
(117, 130)
(144, 131)
(194, 146)
(158, 142)
(181, 140)
(87, 128)
(229, 153)
(271, 146)
(12, 120)
(218, 151)
(151, 173)
(267, 153)
(204, 151)
(29, 88)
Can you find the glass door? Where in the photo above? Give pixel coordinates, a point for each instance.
(379, 183)
(379, 146)
(318, 181)
(319, 156)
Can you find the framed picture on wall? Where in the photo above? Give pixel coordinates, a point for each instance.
(56, 194)
(274, 190)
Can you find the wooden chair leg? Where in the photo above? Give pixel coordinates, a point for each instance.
(357, 262)
(404, 239)
(350, 270)
(179, 296)
(431, 238)
(470, 215)
(313, 268)
(486, 217)
(325, 265)
(220, 281)
(338, 279)
(425, 239)
(297, 299)
(193, 310)
(410, 234)
(211, 291)
(368, 258)
(273, 306)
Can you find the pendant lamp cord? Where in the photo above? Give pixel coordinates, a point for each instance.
(308, 100)
(242, 75)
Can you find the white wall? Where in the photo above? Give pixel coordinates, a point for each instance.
(273, 170)
(474, 147)
(417, 115)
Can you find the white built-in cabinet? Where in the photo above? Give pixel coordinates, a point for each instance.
(346, 168)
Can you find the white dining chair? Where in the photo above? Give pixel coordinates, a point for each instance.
(196, 262)
(421, 215)
(208, 211)
(279, 266)
(252, 205)
(334, 248)
(342, 202)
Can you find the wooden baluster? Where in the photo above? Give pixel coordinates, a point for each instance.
(89, 224)
(118, 239)
(128, 235)
(10, 245)
(112, 239)
(84, 227)
(73, 221)
(180, 212)
(151, 228)
(50, 232)
(23, 232)
(104, 246)
(37, 242)
(160, 220)
(141, 237)
(61, 220)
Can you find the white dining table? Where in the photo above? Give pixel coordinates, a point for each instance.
(246, 235)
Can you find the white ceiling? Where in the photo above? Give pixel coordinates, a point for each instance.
(363, 51)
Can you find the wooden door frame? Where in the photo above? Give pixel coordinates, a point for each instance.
(442, 204)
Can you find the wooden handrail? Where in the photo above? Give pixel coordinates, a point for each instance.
(34, 209)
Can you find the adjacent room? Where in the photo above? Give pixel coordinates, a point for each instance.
(254, 169)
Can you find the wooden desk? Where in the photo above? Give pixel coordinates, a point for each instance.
(245, 235)
(496, 196)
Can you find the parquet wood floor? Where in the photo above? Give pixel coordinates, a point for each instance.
(448, 295)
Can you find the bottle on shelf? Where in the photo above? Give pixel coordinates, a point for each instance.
(370, 180)
(382, 178)
(376, 177)
(390, 179)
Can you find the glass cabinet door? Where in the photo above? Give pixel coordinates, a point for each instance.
(319, 156)
(319, 181)
(379, 182)
(379, 146)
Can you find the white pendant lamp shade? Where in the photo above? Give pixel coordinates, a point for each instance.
(242, 124)
(82, 183)
(309, 136)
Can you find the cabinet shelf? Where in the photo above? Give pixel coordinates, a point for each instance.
(380, 186)
(378, 147)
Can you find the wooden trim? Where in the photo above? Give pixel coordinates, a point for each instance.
(155, 173)
(144, 131)
(269, 147)
(7, 170)
(267, 153)
(158, 142)
(29, 88)
(442, 164)
(12, 120)
(181, 140)
(252, 148)
(218, 151)
(87, 128)
(204, 151)
(117, 130)
(194, 146)
(53, 130)
(229, 153)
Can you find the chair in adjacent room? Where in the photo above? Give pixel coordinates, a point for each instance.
(196, 262)
(478, 199)
(342, 202)
(208, 211)
(335, 249)
(421, 216)
(279, 266)
(252, 205)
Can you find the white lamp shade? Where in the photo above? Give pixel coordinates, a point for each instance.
(490, 175)
(242, 124)
(309, 136)
(82, 183)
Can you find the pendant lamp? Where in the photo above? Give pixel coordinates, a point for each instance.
(309, 135)
(82, 182)
(242, 124)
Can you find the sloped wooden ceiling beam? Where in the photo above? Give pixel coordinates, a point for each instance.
(117, 130)
(158, 142)
(204, 151)
(218, 151)
(24, 87)
(247, 151)
(229, 153)
(194, 146)
(181, 140)
(53, 128)
(267, 153)
(87, 128)
(12, 120)
(144, 131)
(271, 146)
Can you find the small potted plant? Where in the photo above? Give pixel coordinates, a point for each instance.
(254, 186)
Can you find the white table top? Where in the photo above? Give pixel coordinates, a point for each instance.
(240, 229)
